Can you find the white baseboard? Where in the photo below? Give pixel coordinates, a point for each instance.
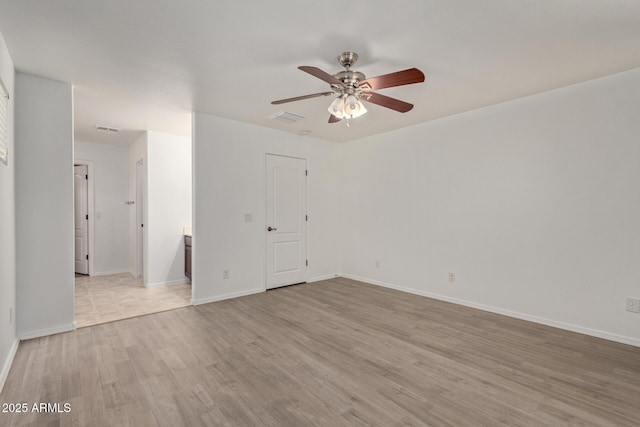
(252, 291)
(6, 366)
(44, 332)
(109, 273)
(497, 310)
(226, 296)
(320, 278)
(169, 283)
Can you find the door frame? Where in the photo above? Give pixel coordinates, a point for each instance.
(264, 218)
(90, 212)
(141, 264)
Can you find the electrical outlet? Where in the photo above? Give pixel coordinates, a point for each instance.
(226, 274)
(377, 263)
(248, 217)
(633, 305)
(452, 277)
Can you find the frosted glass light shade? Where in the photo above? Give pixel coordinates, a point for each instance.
(360, 111)
(351, 105)
(337, 107)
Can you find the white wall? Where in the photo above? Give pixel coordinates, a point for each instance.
(137, 151)
(169, 206)
(534, 204)
(8, 337)
(229, 175)
(111, 214)
(44, 206)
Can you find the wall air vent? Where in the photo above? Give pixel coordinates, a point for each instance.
(107, 129)
(283, 116)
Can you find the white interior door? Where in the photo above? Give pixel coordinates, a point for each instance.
(140, 218)
(286, 221)
(81, 218)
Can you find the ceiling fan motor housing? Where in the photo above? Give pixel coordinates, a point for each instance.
(350, 79)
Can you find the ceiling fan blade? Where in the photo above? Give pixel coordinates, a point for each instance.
(333, 119)
(399, 78)
(386, 101)
(299, 98)
(322, 75)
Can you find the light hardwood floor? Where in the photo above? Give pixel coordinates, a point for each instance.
(101, 299)
(331, 353)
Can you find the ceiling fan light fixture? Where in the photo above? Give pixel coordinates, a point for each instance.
(348, 107)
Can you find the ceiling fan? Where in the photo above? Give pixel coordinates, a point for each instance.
(352, 87)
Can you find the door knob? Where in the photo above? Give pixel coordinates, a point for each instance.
(270, 228)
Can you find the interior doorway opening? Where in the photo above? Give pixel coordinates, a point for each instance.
(138, 269)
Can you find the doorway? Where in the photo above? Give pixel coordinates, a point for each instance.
(286, 221)
(116, 288)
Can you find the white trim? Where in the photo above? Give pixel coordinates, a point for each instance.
(45, 332)
(168, 283)
(227, 296)
(109, 273)
(91, 211)
(497, 310)
(141, 216)
(194, 242)
(320, 278)
(6, 366)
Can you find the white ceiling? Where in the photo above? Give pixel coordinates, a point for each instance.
(146, 64)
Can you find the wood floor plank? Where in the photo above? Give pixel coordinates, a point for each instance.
(332, 353)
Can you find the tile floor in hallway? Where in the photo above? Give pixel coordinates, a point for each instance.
(101, 299)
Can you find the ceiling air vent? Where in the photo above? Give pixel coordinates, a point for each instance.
(107, 129)
(283, 116)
